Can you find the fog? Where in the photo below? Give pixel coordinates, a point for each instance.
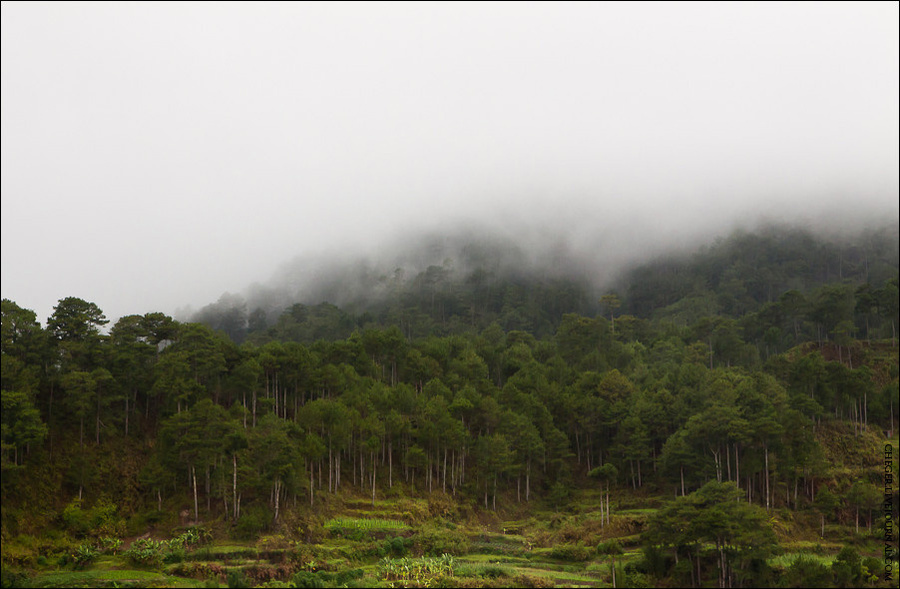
(155, 156)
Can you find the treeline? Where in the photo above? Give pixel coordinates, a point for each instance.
(767, 286)
(497, 415)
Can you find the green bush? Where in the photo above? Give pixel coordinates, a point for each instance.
(174, 555)
(146, 552)
(871, 569)
(805, 571)
(11, 579)
(237, 579)
(305, 579)
(105, 520)
(84, 555)
(434, 541)
(612, 548)
(492, 572)
(396, 546)
(76, 519)
(847, 568)
(110, 545)
(253, 521)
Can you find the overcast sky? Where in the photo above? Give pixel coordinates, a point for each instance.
(157, 155)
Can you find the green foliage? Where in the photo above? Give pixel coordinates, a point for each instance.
(612, 548)
(341, 524)
(237, 579)
(396, 547)
(10, 578)
(848, 568)
(493, 572)
(805, 571)
(486, 389)
(714, 515)
(110, 545)
(76, 520)
(147, 552)
(434, 540)
(419, 572)
(254, 520)
(84, 555)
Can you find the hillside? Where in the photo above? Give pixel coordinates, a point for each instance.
(716, 417)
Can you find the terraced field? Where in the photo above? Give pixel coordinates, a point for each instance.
(399, 543)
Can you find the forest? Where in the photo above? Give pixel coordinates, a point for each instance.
(723, 417)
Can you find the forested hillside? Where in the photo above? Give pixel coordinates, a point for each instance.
(709, 413)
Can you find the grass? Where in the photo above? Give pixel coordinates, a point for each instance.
(365, 524)
(95, 578)
(785, 560)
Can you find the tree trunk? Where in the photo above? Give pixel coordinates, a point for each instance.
(768, 502)
(277, 494)
(196, 504)
(234, 483)
(528, 481)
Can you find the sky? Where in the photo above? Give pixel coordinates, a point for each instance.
(157, 155)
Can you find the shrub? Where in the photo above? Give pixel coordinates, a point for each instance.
(307, 579)
(396, 546)
(440, 505)
(492, 572)
(13, 578)
(806, 572)
(434, 541)
(253, 521)
(847, 567)
(146, 552)
(237, 579)
(110, 545)
(531, 581)
(76, 520)
(613, 547)
(104, 519)
(174, 554)
(84, 555)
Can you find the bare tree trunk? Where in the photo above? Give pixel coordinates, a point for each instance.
(528, 481)
(196, 504)
(277, 493)
(768, 502)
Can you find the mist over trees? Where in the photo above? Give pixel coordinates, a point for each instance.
(712, 377)
(766, 281)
